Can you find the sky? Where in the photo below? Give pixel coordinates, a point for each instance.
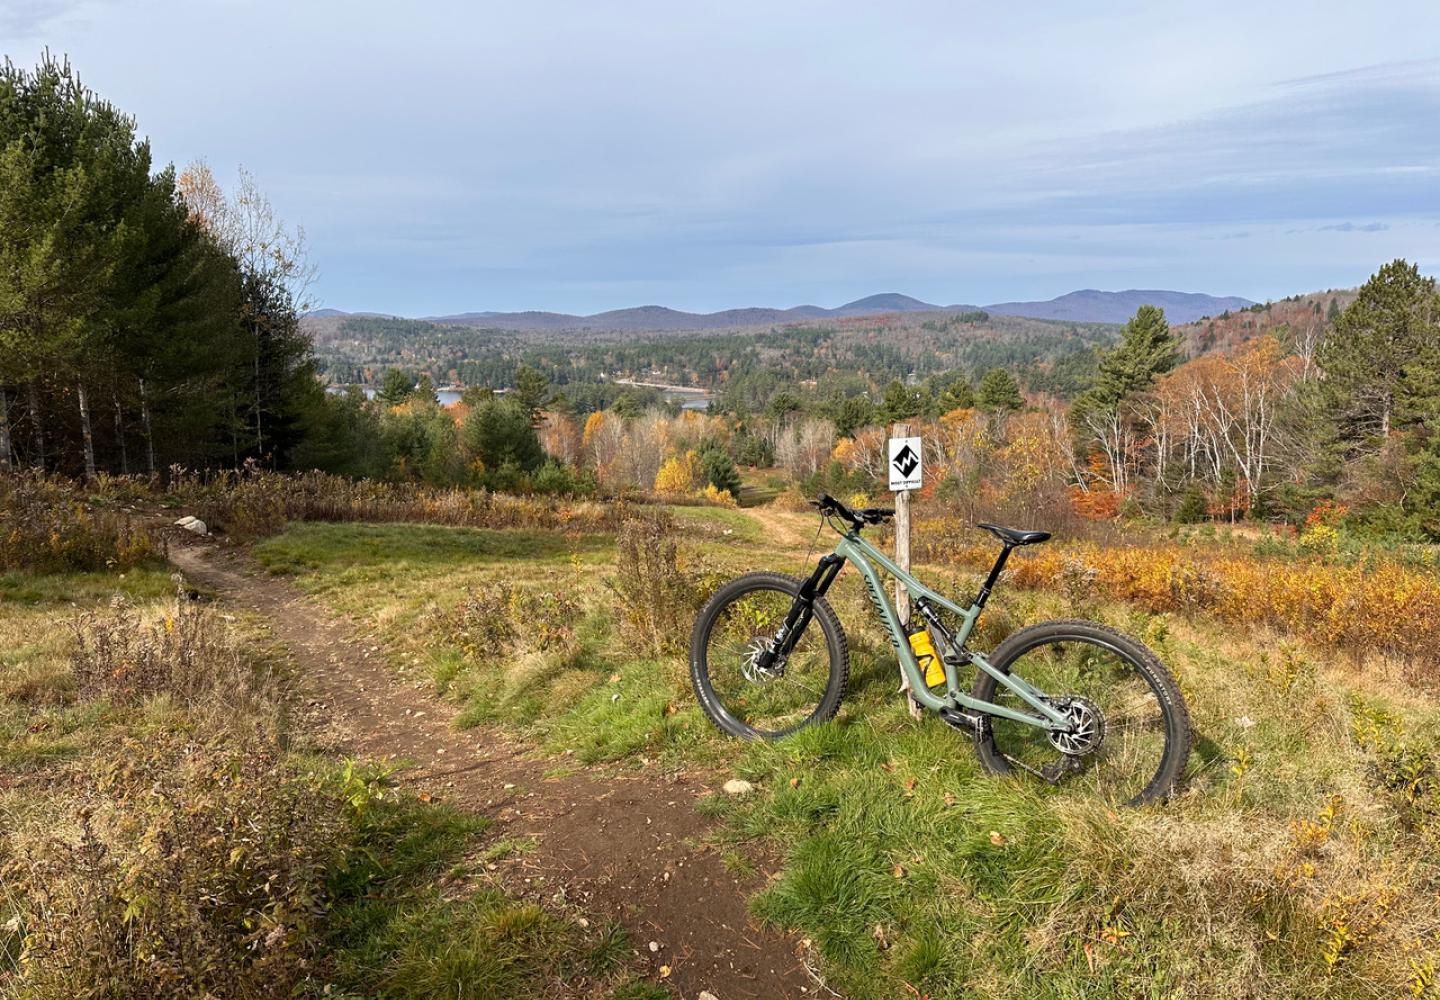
(446, 157)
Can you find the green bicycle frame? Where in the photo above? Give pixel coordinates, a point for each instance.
(865, 557)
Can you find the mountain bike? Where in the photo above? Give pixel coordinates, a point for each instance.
(1066, 702)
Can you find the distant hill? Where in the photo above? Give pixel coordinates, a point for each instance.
(1090, 305)
(661, 318)
(1296, 319)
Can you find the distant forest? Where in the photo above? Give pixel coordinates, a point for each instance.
(744, 367)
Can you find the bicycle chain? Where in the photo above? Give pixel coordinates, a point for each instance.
(1067, 764)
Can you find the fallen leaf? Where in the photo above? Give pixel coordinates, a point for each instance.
(996, 838)
(664, 972)
(898, 871)
(950, 798)
(794, 782)
(614, 678)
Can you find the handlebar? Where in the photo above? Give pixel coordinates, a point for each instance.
(857, 519)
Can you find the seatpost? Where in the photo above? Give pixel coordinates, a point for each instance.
(995, 572)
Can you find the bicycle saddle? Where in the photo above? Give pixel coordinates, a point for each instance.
(1015, 536)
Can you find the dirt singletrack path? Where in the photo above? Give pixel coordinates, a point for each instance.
(628, 847)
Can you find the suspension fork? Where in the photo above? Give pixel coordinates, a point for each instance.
(802, 609)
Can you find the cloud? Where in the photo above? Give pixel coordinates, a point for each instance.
(587, 156)
(1350, 227)
(29, 19)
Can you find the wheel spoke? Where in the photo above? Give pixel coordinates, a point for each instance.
(1103, 688)
(764, 701)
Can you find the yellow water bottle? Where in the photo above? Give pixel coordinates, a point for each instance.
(925, 655)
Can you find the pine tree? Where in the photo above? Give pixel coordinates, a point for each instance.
(1380, 360)
(718, 469)
(532, 391)
(901, 402)
(958, 395)
(395, 387)
(1147, 349)
(998, 392)
(852, 414)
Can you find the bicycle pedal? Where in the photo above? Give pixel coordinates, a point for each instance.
(967, 722)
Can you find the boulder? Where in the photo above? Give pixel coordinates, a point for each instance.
(193, 525)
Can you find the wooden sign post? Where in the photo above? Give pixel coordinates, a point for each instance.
(902, 534)
(905, 461)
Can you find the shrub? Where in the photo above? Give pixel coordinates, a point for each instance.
(1382, 605)
(252, 503)
(47, 526)
(198, 869)
(658, 596)
(498, 618)
(124, 658)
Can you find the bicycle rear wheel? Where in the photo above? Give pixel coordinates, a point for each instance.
(754, 703)
(1132, 733)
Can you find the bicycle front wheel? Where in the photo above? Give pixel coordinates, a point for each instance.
(1131, 734)
(745, 699)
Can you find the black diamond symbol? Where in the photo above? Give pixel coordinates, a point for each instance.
(906, 460)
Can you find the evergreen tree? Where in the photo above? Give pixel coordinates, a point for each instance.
(532, 391)
(958, 395)
(1147, 349)
(783, 403)
(718, 469)
(1380, 359)
(901, 402)
(998, 392)
(395, 387)
(499, 434)
(853, 414)
(424, 391)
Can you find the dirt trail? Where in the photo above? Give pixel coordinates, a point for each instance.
(627, 847)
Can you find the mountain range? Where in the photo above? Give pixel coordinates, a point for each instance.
(1085, 306)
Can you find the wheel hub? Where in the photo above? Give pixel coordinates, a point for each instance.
(751, 668)
(1087, 727)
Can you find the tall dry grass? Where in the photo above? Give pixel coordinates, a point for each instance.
(252, 503)
(49, 525)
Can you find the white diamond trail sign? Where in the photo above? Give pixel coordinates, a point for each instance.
(906, 467)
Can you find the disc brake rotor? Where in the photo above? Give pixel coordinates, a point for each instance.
(750, 667)
(1087, 727)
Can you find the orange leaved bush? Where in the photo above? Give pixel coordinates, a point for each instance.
(1382, 606)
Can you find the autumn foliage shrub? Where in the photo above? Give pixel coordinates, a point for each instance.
(197, 868)
(497, 618)
(1381, 606)
(46, 525)
(125, 658)
(658, 589)
(254, 503)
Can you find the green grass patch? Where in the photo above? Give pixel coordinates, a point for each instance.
(719, 523)
(313, 547)
(413, 919)
(139, 584)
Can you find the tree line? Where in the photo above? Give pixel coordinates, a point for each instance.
(146, 316)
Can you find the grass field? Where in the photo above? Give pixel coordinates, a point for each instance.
(1301, 859)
